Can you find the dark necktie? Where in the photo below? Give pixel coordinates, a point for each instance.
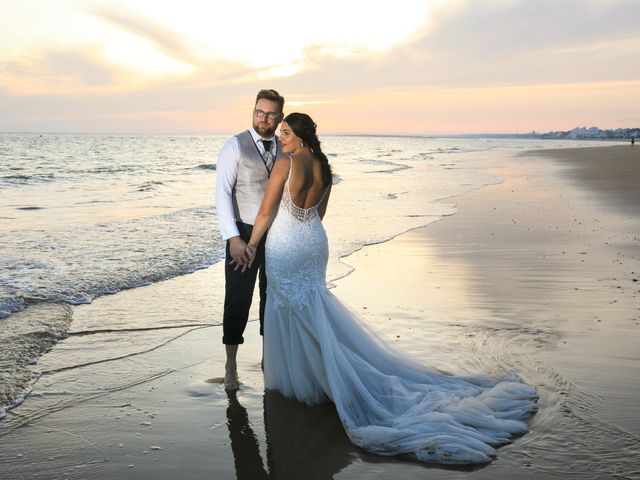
(268, 158)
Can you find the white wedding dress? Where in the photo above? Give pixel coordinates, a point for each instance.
(315, 349)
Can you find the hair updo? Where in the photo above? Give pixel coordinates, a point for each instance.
(305, 129)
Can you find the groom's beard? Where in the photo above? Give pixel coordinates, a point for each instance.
(265, 130)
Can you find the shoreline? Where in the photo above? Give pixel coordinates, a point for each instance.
(500, 284)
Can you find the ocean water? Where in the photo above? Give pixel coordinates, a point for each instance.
(83, 216)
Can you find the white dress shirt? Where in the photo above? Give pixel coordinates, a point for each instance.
(226, 174)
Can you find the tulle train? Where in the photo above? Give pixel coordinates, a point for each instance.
(389, 404)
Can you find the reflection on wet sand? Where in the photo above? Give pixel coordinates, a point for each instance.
(301, 441)
(244, 444)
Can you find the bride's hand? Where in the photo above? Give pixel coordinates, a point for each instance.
(251, 255)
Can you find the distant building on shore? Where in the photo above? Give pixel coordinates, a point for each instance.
(593, 132)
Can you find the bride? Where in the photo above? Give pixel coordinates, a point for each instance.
(315, 349)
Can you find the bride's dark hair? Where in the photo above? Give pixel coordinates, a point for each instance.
(305, 128)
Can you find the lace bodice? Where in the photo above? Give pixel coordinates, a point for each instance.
(302, 214)
(297, 251)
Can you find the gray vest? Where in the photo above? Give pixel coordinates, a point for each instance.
(252, 178)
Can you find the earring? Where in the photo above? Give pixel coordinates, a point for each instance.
(301, 144)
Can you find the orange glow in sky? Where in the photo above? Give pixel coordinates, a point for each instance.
(408, 66)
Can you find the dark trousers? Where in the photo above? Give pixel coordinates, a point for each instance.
(239, 288)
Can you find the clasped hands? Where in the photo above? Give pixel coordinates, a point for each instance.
(242, 254)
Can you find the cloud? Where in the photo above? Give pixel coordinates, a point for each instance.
(78, 64)
(166, 41)
(496, 43)
(58, 70)
(528, 42)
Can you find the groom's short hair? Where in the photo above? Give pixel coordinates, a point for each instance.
(273, 96)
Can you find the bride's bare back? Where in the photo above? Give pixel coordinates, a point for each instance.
(306, 185)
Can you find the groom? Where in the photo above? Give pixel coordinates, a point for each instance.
(244, 165)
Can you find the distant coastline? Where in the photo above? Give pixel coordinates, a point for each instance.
(578, 133)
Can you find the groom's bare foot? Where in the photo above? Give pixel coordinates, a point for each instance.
(231, 381)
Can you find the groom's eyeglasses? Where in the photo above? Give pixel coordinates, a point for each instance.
(266, 115)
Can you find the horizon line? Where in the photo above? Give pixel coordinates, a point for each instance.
(332, 134)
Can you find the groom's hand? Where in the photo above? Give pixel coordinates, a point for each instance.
(238, 252)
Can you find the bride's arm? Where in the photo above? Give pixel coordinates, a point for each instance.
(271, 199)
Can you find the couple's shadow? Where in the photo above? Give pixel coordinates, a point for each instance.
(302, 442)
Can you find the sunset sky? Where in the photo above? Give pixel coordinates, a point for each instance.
(401, 66)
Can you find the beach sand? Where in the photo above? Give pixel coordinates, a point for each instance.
(539, 274)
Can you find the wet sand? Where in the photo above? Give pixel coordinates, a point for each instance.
(538, 274)
(611, 173)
